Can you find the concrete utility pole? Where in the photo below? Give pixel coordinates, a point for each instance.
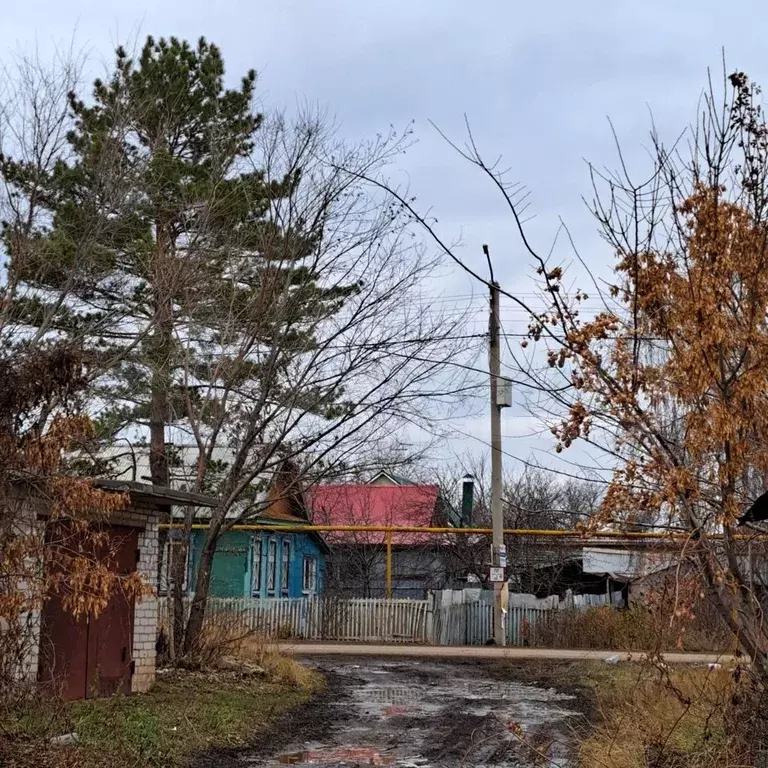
(498, 400)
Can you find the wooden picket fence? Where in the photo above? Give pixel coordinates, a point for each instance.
(438, 620)
(319, 618)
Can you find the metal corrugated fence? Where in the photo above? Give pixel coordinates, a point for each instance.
(472, 624)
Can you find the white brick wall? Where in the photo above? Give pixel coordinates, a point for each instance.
(31, 657)
(145, 613)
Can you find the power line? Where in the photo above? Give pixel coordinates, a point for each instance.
(531, 465)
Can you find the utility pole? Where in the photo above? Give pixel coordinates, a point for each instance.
(498, 400)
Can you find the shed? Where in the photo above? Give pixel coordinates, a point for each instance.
(113, 652)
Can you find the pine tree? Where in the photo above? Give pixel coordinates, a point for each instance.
(242, 282)
(157, 223)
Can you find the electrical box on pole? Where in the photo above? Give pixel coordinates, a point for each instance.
(503, 392)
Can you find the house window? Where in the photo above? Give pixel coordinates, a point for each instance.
(284, 571)
(309, 575)
(256, 566)
(271, 565)
(171, 550)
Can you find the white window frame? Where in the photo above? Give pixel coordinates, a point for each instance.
(256, 563)
(271, 564)
(309, 575)
(285, 567)
(164, 576)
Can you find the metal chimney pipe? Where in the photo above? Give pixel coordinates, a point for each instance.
(467, 500)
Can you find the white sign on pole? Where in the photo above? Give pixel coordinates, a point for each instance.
(497, 575)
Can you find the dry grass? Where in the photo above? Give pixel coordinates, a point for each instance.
(280, 669)
(684, 718)
(227, 637)
(631, 630)
(230, 639)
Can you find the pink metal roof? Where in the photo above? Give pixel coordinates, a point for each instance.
(406, 505)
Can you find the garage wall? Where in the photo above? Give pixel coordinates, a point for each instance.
(145, 517)
(145, 614)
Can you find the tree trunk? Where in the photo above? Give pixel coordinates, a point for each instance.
(177, 585)
(161, 345)
(202, 584)
(158, 458)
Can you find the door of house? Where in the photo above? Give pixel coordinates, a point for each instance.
(91, 656)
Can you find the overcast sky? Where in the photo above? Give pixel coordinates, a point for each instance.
(537, 81)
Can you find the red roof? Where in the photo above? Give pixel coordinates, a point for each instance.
(405, 505)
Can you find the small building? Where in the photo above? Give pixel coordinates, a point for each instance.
(247, 563)
(264, 563)
(633, 569)
(113, 652)
(357, 564)
(604, 567)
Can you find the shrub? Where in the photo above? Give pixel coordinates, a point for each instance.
(636, 629)
(222, 635)
(685, 718)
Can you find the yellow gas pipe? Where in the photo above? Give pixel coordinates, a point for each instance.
(390, 529)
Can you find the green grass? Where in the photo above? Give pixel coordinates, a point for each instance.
(184, 714)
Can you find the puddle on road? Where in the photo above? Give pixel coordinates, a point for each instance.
(437, 715)
(337, 756)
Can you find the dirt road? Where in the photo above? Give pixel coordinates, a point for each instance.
(422, 714)
(485, 652)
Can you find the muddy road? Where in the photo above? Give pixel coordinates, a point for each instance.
(423, 714)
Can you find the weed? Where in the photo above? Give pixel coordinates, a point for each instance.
(652, 716)
(279, 668)
(637, 629)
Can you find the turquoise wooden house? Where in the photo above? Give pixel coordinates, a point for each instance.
(264, 564)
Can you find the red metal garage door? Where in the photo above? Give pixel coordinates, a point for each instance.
(92, 656)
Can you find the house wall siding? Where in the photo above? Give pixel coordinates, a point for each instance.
(233, 563)
(306, 546)
(360, 571)
(229, 573)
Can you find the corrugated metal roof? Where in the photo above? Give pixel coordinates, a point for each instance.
(130, 465)
(351, 504)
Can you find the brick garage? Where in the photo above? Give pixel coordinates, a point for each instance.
(113, 652)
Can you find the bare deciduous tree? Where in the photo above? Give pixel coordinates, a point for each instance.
(322, 387)
(667, 382)
(245, 291)
(533, 499)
